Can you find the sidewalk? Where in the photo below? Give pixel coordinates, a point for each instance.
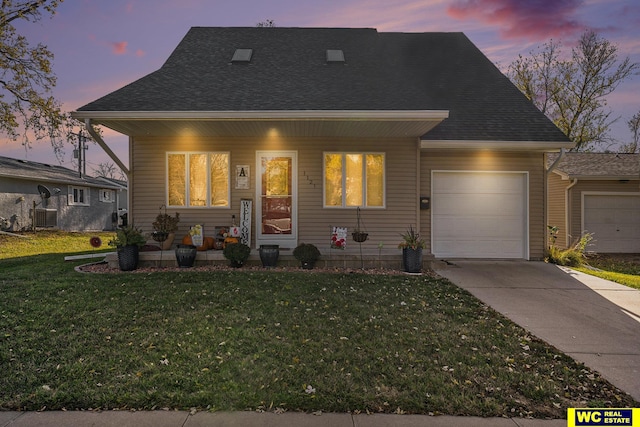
(251, 419)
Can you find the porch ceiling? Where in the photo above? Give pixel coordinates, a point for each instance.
(361, 124)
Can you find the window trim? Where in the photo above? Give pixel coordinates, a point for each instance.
(72, 199)
(187, 155)
(364, 179)
(109, 199)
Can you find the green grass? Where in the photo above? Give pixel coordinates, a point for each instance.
(237, 340)
(619, 269)
(51, 242)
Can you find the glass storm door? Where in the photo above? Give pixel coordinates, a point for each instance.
(276, 187)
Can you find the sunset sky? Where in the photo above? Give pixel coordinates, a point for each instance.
(101, 45)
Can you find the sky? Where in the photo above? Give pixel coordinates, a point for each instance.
(102, 45)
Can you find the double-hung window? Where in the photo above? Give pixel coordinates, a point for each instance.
(354, 179)
(78, 196)
(198, 179)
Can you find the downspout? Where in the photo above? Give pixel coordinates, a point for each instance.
(418, 177)
(97, 138)
(546, 195)
(567, 218)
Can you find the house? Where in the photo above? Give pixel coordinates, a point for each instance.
(596, 193)
(50, 196)
(290, 130)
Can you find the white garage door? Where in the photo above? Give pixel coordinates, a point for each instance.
(479, 215)
(614, 221)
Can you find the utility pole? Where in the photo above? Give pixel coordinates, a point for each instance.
(81, 155)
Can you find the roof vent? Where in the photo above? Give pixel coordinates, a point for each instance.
(242, 55)
(335, 55)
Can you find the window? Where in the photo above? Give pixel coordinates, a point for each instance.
(198, 179)
(78, 196)
(107, 196)
(354, 179)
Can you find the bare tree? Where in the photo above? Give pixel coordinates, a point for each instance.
(266, 23)
(27, 108)
(634, 127)
(572, 92)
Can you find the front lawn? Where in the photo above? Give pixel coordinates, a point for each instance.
(238, 340)
(623, 269)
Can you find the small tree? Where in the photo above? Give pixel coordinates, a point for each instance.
(572, 92)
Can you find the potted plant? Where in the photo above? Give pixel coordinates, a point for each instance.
(164, 228)
(127, 242)
(412, 245)
(237, 253)
(307, 254)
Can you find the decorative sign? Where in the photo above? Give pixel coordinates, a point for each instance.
(243, 173)
(245, 221)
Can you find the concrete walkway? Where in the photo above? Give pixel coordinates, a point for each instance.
(594, 321)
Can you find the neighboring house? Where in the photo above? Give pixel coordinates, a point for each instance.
(415, 129)
(74, 203)
(596, 193)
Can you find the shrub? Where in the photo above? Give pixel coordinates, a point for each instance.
(574, 256)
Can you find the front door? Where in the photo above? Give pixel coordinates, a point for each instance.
(276, 188)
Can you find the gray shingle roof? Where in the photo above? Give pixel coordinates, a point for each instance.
(383, 71)
(597, 165)
(25, 169)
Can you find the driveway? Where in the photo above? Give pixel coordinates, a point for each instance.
(595, 321)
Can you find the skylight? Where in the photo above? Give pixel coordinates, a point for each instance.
(335, 55)
(242, 55)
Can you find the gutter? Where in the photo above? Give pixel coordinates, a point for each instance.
(96, 137)
(267, 115)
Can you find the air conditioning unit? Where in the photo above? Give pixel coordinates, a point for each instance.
(46, 218)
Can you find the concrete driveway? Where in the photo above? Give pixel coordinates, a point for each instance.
(595, 321)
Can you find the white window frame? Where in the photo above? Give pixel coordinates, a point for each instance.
(364, 154)
(107, 195)
(74, 190)
(187, 154)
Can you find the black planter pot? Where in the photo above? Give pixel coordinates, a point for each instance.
(307, 265)
(128, 257)
(412, 260)
(186, 255)
(269, 255)
(236, 264)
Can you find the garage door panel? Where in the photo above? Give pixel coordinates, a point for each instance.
(479, 215)
(614, 221)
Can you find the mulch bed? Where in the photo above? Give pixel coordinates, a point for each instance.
(103, 268)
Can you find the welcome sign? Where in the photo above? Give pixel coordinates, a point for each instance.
(629, 417)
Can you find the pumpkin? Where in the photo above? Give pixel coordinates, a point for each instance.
(230, 240)
(209, 243)
(186, 240)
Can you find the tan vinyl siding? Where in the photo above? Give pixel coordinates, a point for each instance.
(575, 199)
(490, 161)
(556, 207)
(314, 221)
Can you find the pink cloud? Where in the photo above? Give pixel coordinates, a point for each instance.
(533, 20)
(119, 48)
(140, 53)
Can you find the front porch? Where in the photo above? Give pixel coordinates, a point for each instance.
(329, 259)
